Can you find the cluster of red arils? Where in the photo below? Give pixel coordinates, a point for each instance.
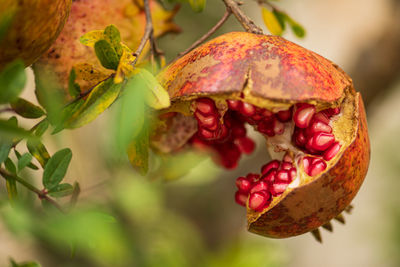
(261, 188)
(227, 136)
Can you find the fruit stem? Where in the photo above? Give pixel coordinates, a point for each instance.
(227, 14)
(41, 194)
(245, 21)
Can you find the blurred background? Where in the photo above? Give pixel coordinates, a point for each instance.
(194, 221)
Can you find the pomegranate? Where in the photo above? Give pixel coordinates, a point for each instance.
(306, 107)
(88, 15)
(30, 35)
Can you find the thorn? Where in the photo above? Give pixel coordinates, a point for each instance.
(340, 218)
(328, 226)
(317, 235)
(349, 209)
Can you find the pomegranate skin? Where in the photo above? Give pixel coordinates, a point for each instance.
(269, 69)
(35, 27)
(308, 207)
(278, 70)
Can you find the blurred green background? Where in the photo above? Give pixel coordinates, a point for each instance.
(123, 219)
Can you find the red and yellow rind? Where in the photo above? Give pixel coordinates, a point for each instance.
(272, 68)
(312, 205)
(36, 25)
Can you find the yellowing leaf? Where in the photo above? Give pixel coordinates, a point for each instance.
(90, 38)
(271, 21)
(99, 99)
(125, 68)
(157, 97)
(88, 73)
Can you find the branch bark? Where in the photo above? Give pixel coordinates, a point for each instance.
(245, 21)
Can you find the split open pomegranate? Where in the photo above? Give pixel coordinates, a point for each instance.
(306, 107)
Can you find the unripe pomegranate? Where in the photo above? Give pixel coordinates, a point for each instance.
(34, 27)
(88, 15)
(304, 105)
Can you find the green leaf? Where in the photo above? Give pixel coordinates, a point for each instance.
(156, 96)
(24, 161)
(26, 109)
(297, 29)
(106, 54)
(101, 97)
(39, 151)
(61, 190)
(197, 5)
(41, 128)
(280, 16)
(12, 81)
(138, 152)
(5, 148)
(10, 166)
(67, 113)
(24, 264)
(9, 131)
(56, 168)
(73, 88)
(271, 22)
(49, 93)
(113, 36)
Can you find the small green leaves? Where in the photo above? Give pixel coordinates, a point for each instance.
(99, 99)
(61, 190)
(24, 161)
(12, 81)
(26, 109)
(112, 35)
(271, 22)
(90, 38)
(56, 168)
(5, 148)
(106, 54)
(197, 5)
(39, 151)
(10, 131)
(275, 21)
(24, 264)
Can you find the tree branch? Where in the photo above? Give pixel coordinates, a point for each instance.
(228, 12)
(245, 21)
(148, 33)
(41, 194)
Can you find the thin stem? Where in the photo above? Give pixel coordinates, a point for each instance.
(228, 12)
(42, 195)
(148, 32)
(245, 21)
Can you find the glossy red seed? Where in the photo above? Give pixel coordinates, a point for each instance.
(245, 144)
(259, 186)
(206, 106)
(269, 177)
(247, 109)
(238, 130)
(284, 115)
(321, 116)
(287, 158)
(222, 134)
(266, 127)
(321, 141)
(278, 188)
(332, 111)
(286, 165)
(274, 164)
(205, 134)
(303, 115)
(299, 137)
(307, 164)
(317, 168)
(241, 198)
(282, 176)
(258, 200)
(253, 177)
(243, 184)
(318, 126)
(331, 152)
(210, 122)
(234, 104)
(267, 113)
